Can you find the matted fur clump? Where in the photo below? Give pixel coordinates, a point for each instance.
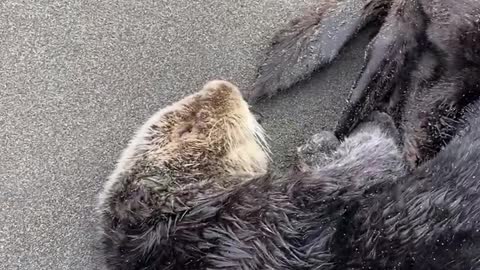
(193, 191)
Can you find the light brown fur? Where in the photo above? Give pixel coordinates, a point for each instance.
(210, 134)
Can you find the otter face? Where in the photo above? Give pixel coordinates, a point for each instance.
(210, 133)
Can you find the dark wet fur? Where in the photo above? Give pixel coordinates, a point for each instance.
(355, 209)
(268, 222)
(428, 219)
(420, 67)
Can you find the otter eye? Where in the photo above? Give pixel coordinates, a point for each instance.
(185, 130)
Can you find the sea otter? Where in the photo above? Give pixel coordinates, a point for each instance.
(421, 67)
(193, 191)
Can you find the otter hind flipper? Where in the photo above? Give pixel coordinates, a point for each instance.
(310, 42)
(388, 63)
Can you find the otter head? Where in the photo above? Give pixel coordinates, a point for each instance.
(210, 133)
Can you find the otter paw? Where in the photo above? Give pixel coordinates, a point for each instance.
(382, 118)
(317, 148)
(386, 123)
